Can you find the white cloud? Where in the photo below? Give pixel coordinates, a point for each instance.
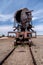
(6, 17)
(39, 29)
(37, 15)
(5, 29)
(12, 19)
(38, 12)
(34, 18)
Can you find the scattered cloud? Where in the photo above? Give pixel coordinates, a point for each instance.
(39, 29)
(6, 17)
(5, 29)
(37, 15)
(7, 7)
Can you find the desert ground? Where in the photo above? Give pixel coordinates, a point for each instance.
(6, 45)
(38, 49)
(21, 58)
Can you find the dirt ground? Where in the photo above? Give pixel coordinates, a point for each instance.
(7, 44)
(21, 56)
(38, 49)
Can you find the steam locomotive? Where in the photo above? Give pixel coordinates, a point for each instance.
(23, 17)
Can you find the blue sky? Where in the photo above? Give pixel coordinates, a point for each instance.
(9, 7)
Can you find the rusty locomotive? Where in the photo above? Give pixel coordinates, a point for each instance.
(23, 17)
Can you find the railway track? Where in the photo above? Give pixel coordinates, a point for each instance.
(1, 63)
(22, 55)
(33, 59)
